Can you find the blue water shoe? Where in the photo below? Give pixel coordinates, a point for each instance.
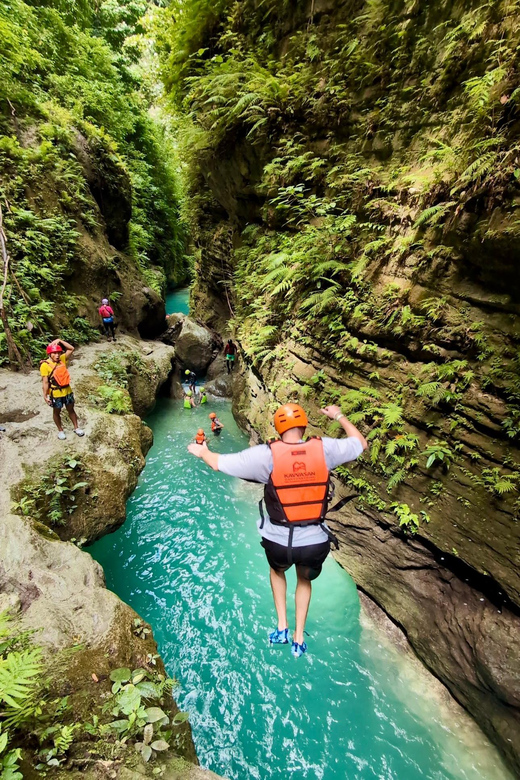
(298, 650)
(279, 637)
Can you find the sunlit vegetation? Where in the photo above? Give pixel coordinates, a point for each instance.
(378, 147)
(80, 156)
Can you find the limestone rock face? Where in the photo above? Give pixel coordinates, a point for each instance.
(217, 367)
(195, 346)
(460, 623)
(113, 449)
(58, 589)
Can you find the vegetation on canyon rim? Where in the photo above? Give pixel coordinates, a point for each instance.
(32, 717)
(378, 143)
(74, 123)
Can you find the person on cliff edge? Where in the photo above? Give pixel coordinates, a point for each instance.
(296, 475)
(57, 392)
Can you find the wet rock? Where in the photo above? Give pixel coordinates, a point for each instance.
(468, 642)
(175, 323)
(222, 386)
(57, 588)
(195, 346)
(217, 367)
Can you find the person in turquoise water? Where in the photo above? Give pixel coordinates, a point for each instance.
(296, 475)
(203, 398)
(189, 403)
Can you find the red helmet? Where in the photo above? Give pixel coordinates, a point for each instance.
(289, 416)
(54, 346)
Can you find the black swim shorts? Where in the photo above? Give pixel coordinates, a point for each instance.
(65, 400)
(308, 560)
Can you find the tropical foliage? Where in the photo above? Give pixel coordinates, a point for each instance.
(372, 151)
(80, 155)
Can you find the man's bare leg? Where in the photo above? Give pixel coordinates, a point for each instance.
(73, 416)
(302, 599)
(279, 588)
(56, 416)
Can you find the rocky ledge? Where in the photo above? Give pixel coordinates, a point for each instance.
(57, 589)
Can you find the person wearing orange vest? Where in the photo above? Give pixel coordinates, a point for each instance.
(57, 391)
(200, 436)
(216, 425)
(296, 475)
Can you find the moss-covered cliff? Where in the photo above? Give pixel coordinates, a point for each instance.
(87, 188)
(355, 184)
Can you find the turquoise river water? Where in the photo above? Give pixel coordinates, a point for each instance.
(188, 559)
(177, 301)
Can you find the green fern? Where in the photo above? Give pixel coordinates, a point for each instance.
(392, 414)
(434, 214)
(19, 683)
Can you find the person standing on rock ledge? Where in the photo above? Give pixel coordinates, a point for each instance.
(57, 391)
(296, 475)
(230, 352)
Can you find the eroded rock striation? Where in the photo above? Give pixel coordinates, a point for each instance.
(358, 195)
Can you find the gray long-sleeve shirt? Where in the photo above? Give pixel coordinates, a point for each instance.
(256, 464)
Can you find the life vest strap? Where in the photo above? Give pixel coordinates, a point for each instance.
(342, 502)
(301, 486)
(261, 510)
(289, 546)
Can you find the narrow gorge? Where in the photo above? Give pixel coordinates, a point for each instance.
(338, 183)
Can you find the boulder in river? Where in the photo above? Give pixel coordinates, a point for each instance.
(222, 386)
(195, 346)
(217, 367)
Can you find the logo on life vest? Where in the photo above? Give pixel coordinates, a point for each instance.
(298, 466)
(298, 452)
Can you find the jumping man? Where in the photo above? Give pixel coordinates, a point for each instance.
(296, 478)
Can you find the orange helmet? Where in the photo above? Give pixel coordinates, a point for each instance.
(212, 415)
(289, 416)
(200, 432)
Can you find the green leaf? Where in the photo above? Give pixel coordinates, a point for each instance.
(79, 485)
(129, 700)
(148, 690)
(154, 714)
(120, 675)
(119, 725)
(181, 717)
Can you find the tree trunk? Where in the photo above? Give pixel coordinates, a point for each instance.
(13, 352)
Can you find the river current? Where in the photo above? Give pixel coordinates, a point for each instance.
(189, 561)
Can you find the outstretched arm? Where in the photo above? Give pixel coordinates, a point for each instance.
(335, 413)
(203, 451)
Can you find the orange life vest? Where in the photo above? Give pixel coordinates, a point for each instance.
(214, 425)
(200, 438)
(298, 486)
(59, 378)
